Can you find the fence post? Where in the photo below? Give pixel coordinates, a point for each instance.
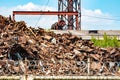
(26, 75)
(23, 66)
(88, 61)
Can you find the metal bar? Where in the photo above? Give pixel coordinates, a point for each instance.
(43, 13)
(77, 26)
(59, 3)
(79, 9)
(70, 17)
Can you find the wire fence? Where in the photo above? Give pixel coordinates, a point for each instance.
(46, 68)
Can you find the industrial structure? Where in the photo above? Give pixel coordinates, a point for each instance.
(68, 10)
(70, 6)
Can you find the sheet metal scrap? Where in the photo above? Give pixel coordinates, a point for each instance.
(56, 54)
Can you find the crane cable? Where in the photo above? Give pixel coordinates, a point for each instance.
(41, 15)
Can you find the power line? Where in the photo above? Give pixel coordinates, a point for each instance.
(115, 16)
(101, 17)
(41, 15)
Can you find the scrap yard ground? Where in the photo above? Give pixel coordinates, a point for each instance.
(88, 34)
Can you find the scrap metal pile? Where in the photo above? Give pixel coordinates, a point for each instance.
(25, 50)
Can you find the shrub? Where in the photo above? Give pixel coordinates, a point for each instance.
(106, 42)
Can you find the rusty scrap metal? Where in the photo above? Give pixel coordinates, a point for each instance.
(39, 52)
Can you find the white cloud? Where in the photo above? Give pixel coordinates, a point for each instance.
(29, 6)
(98, 11)
(96, 19)
(32, 7)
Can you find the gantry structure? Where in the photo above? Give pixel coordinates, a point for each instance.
(68, 10)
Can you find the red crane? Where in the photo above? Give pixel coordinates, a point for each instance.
(68, 10)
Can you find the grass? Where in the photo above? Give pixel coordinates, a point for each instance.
(107, 41)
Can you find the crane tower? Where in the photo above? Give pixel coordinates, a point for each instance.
(70, 6)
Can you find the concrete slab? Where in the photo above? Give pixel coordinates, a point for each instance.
(86, 35)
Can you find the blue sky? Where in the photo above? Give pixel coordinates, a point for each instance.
(97, 8)
(11, 3)
(107, 6)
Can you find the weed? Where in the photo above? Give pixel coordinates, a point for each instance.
(107, 41)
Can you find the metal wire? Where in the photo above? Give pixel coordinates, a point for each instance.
(41, 15)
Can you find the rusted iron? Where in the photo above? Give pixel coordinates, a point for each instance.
(53, 54)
